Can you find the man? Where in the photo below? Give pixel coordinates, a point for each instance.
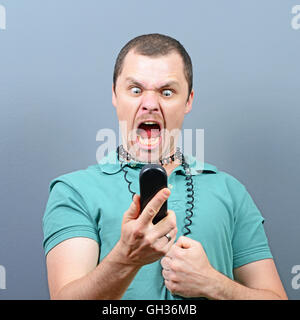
(210, 245)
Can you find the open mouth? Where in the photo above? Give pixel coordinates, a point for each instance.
(149, 134)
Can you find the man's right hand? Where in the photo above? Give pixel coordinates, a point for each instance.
(141, 241)
(73, 270)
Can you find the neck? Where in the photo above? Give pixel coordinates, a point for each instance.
(171, 161)
(170, 167)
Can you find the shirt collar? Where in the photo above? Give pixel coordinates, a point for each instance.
(111, 165)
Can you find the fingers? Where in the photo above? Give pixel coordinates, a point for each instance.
(170, 243)
(187, 243)
(154, 205)
(134, 209)
(165, 225)
(184, 242)
(166, 263)
(164, 243)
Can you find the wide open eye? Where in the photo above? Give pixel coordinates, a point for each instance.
(135, 90)
(167, 92)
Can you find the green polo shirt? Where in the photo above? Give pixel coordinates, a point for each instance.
(91, 203)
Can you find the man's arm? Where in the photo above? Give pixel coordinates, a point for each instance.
(73, 272)
(188, 273)
(258, 280)
(72, 267)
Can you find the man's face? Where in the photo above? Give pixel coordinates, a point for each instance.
(151, 99)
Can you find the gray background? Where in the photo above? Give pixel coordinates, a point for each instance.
(56, 61)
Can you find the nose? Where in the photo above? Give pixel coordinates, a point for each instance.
(149, 103)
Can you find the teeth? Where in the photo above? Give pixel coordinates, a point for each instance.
(149, 122)
(147, 142)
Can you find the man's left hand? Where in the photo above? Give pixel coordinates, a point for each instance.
(186, 269)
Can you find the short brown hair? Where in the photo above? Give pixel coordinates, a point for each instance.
(155, 44)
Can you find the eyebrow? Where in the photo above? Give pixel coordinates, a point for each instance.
(167, 84)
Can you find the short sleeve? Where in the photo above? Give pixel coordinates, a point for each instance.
(249, 240)
(66, 216)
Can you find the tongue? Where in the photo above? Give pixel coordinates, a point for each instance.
(148, 131)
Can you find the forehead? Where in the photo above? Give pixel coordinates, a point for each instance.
(153, 69)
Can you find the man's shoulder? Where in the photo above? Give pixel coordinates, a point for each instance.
(81, 178)
(224, 179)
(213, 173)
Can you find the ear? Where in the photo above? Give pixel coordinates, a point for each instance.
(114, 96)
(188, 105)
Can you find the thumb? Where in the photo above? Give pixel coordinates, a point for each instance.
(134, 210)
(184, 242)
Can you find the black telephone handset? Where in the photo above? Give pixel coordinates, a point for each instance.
(153, 177)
